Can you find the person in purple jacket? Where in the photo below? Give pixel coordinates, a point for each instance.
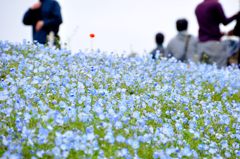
(210, 15)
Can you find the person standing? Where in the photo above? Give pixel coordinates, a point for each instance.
(159, 51)
(183, 46)
(210, 15)
(45, 18)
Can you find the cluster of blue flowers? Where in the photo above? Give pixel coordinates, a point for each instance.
(95, 105)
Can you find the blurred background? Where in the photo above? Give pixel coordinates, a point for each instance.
(118, 25)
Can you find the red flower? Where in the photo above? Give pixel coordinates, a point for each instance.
(92, 35)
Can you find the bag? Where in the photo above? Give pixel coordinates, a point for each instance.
(183, 58)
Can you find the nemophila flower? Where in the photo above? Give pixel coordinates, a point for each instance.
(237, 153)
(170, 151)
(12, 156)
(72, 95)
(109, 137)
(84, 117)
(186, 151)
(71, 111)
(66, 119)
(160, 154)
(28, 135)
(15, 148)
(63, 147)
(58, 139)
(235, 145)
(122, 108)
(81, 87)
(3, 95)
(88, 101)
(5, 140)
(178, 125)
(19, 124)
(56, 152)
(146, 138)
(99, 87)
(136, 115)
(120, 139)
(87, 108)
(65, 154)
(122, 153)
(167, 130)
(62, 105)
(227, 154)
(7, 111)
(13, 89)
(118, 125)
(89, 129)
(224, 144)
(224, 119)
(201, 147)
(98, 108)
(58, 118)
(212, 150)
(40, 153)
(42, 135)
(42, 106)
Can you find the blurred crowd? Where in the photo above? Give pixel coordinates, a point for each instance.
(45, 18)
(209, 46)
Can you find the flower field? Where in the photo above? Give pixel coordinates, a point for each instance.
(95, 105)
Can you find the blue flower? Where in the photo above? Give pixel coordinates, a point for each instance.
(56, 152)
(134, 143)
(136, 114)
(118, 125)
(120, 139)
(109, 137)
(186, 151)
(43, 135)
(238, 153)
(227, 154)
(62, 105)
(3, 95)
(40, 153)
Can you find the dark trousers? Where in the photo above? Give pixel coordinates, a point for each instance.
(239, 59)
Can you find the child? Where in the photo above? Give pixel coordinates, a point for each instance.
(159, 50)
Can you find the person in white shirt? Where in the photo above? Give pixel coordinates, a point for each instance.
(183, 46)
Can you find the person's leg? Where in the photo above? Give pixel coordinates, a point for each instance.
(232, 49)
(57, 42)
(215, 52)
(201, 51)
(239, 58)
(239, 53)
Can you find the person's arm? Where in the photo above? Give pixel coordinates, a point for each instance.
(31, 16)
(236, 30)
(222, 17)
(56, 19)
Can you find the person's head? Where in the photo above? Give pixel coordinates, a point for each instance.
(182, 24)
(159, 38)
